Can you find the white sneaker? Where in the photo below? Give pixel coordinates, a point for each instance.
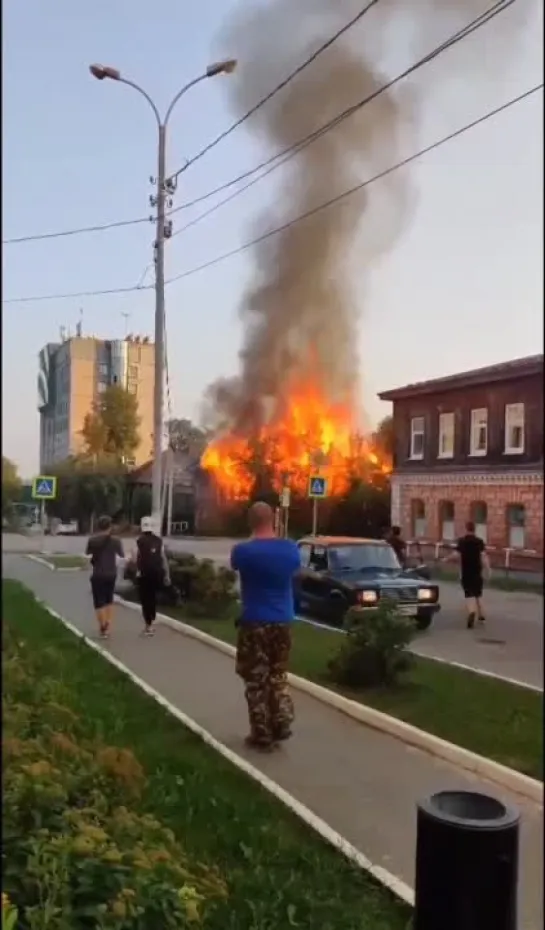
(149, 631)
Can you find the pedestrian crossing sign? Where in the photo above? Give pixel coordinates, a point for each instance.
(44, 488)
(317, 486)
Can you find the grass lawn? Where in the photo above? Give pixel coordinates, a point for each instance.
(66, 561)
(489, 717)
(277, 873)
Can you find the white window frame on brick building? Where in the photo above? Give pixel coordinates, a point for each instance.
(417, 433)
(447, 515)
(478, 440)
(479, 516)
(515, 518)
(418, 518)
(446, 436)
(514, 429)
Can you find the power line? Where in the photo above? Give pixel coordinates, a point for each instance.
(384, 173)
(75, 232)
(481, 20)
(207, 148)
(276, 161)
(78, 294)
(357, 187)
(322, 48)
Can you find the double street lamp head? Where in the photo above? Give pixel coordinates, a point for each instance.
(218, 67)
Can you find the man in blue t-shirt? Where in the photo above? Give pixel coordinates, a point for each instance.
(266, 565)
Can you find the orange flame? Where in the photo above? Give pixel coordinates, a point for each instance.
(311, 436)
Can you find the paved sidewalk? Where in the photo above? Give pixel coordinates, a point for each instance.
(511, 645)
(363, 783)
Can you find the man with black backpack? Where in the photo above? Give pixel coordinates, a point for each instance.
(152, 571)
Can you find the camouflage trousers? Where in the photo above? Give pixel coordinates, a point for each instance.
(263, 651)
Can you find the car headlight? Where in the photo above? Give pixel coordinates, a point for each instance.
(368, 597)
(426, 594)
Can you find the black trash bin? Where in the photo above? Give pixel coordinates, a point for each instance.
(466, 863)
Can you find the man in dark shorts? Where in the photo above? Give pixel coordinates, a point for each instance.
(266, 565)
(104, 550)
(474, 565)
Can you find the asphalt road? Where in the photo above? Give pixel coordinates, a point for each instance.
(511, 644)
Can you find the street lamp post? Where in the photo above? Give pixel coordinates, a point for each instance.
(100, 72)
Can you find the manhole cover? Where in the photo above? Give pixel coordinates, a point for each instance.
(488, 641)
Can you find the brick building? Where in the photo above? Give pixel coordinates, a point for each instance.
(470, 447)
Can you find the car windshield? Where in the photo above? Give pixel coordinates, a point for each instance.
(365, 557)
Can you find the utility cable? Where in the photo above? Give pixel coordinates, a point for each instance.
(357, 187)
(281, 157)
(207, 148)
(38, 237)
(276, 161)
(322, 48)
(384, 173)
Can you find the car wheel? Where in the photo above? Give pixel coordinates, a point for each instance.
(423, 620)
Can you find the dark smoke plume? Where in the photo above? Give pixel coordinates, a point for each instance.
(300, 321)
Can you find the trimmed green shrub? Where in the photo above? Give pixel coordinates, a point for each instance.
(200, 585)
(374, 652)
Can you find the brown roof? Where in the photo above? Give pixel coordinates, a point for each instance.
(183, 469)
(530, 365)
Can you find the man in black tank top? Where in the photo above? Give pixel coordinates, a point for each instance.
(474, 566)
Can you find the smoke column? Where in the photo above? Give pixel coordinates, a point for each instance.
(300, 321)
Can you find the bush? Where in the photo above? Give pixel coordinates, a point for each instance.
(198, 584)
(77, 852)
(374, 652)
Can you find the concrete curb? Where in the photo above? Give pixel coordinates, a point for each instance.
(501, 775)
(40, 561)
(395, 885)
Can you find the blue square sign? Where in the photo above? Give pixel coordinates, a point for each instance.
(44, 488)
(317, 486)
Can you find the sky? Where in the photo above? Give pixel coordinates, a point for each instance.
(461, 287)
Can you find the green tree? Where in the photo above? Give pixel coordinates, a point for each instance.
(88, 487)
(111, 427)
(384, 437)
(184, 436)
(11, 486)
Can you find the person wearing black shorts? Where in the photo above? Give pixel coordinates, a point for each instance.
(474, 565)
(103, 550)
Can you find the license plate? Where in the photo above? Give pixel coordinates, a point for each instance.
(407, 611)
